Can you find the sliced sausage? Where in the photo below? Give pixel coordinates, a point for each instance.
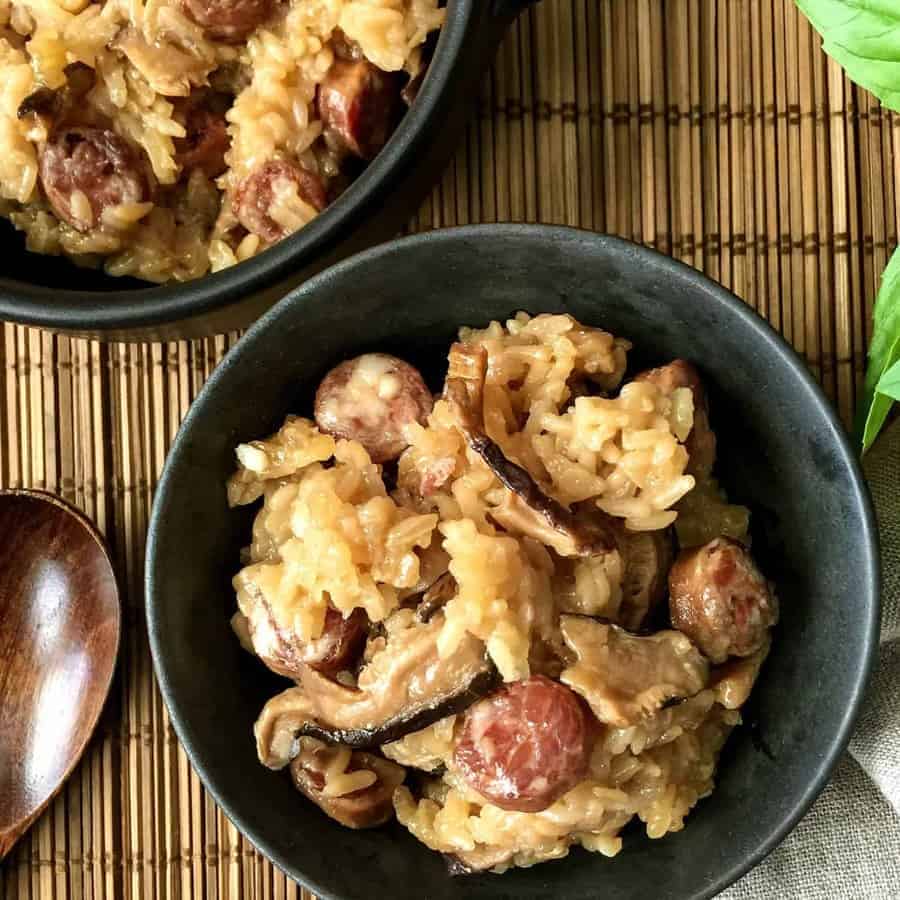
(526, 745)
(358, 106)
(96, 165)
(373, 399)
(338, 648)
(366, 807)
(205, 143)
(720, 600)
(253, 199)
(340, 644)
(228, 20)
(701, 442)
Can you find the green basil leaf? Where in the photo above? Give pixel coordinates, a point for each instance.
(878, 413)
(884, 350)
(864, 37)
(889, 383)
(878, 406)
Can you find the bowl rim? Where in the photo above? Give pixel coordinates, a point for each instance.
(869, 558)
(125, 309)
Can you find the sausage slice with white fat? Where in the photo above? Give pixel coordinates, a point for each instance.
(266, 201)
(338, 647)
(358, 105)
(85, 171)
(373, 399)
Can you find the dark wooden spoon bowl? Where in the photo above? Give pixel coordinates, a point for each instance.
(59, 636)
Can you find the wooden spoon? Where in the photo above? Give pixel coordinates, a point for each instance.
(59, 636)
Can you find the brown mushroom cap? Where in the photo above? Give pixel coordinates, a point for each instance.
(625, 677)
(648, 556)
(405, 687)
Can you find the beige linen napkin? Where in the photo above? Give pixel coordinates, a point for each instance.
(848, 845)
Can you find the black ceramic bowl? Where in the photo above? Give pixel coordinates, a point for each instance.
(54, 293)
(781, 451)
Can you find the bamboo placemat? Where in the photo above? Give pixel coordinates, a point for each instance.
(714, 130)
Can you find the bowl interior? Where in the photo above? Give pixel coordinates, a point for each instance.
(781, 452)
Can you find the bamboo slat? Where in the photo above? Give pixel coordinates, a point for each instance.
(713, 130)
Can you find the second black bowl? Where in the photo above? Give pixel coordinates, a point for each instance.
(53, 292)
(782, 452)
